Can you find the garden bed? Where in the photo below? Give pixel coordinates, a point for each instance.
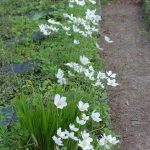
(68, 85)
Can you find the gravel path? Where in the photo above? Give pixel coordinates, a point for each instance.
(129, 57)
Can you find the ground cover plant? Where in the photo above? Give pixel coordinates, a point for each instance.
(147, 14)
(146, 17)
(62, 103)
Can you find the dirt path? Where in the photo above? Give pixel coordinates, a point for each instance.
(129, 57)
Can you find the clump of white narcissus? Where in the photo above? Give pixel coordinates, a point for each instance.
(76, 133)
(98, 78)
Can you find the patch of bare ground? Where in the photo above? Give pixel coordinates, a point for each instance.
(129, 57)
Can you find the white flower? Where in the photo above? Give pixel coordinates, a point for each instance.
(86, 136)
(92, 1)
(70, 74)
(85, 117)
(71, 64)
(76, 42)
(83, 106)
(112, 82)
(71, 135)
(78, 68)
(84, 60)
(90, 15)
(107, 39)
(73, 128)
(110, 74)
(85, 145)
(66, 28)
(106, 141)
(60, 102)
(75, 29)
(44, 28)
(61, 134)
(80, 2)
(89, 74)
(99, 83)
(51, 21)
(112, 140)
(98, 47)
(96, 116)
(81, 122)
(101, 75)
(68, 34)
(57, 141)
(48, 29)
(103, 142)
(60, 74)
(62, 81)
(91, 69)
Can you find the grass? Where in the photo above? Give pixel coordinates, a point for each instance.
(19, 23)
(147, 14)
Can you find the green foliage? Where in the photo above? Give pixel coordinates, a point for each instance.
(35, 110)
(147, 13)
(104, 1)
(42, 119)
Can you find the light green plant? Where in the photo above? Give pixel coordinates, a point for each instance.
(41, 119)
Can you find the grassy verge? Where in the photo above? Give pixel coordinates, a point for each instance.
(31, 95)
(146, 29)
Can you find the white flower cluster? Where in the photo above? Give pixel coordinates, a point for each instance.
(82, 138)
(98, 77)
(48, 29)
(79, 2)
(83, 26)
(106, 141)
(91, 15)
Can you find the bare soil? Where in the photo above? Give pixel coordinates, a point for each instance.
(129, 57)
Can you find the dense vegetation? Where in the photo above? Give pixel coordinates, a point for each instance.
(147, 14)
(30, 111)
